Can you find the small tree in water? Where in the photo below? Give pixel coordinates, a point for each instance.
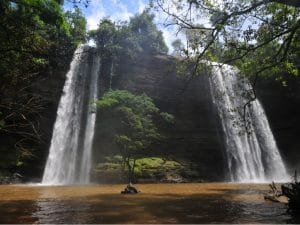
(131, 124)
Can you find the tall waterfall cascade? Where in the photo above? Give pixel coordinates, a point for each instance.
(251, 150)
(69, 160)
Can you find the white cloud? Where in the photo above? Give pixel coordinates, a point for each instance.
(121, 13)
(114, 9)
(97, 12)
(169, 36)
(141, 6)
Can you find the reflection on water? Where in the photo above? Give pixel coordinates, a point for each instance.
(158, 203)
(60, 211)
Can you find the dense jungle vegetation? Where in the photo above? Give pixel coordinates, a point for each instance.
(37, 40)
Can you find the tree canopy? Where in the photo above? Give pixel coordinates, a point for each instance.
(129, 121)
(36, 38)
(140, 34)
(116, 41)
(260, 37)
(148, 36)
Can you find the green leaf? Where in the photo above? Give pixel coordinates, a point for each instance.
(2, 124)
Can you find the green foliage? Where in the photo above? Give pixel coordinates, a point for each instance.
(261, 38)
(136, 129)
(23, 40)
(155, 166)
(149, 38)
(33, 34)
(107, 102)
(126, 39)
(77, 24)
(167, 117)
(128, 120)
(116, 41)
(106, 38)
(146, 167)
(36, 39)
(150, 162)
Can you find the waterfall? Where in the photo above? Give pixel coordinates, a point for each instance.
(69, 159)
(252, 154)
(90, 124)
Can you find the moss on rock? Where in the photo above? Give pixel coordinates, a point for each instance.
(148, 169)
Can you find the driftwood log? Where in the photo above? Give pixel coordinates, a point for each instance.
(291, 191)
(275, 194)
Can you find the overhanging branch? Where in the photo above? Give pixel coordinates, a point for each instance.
(294, 3)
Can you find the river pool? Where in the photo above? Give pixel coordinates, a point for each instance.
(157, 203)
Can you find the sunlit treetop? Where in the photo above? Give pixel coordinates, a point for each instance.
(260, 37)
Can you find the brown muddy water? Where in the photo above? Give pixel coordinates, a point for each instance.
(157, 203)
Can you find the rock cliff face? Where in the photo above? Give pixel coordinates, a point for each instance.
(196, 137)
(195, 140)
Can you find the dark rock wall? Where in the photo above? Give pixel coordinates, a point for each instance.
(282, 106)
(195, 138)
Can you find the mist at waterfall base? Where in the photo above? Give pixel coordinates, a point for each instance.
(251, 150)
(69, 160)
(251, 157)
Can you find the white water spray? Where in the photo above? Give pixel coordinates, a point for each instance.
(69, 159)
(252, 153)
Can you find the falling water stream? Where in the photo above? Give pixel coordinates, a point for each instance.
(251, 150)
(70, 152)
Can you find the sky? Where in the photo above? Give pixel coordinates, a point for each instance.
(120, 10)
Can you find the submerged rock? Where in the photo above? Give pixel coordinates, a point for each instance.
(130, 189)
(173, 178)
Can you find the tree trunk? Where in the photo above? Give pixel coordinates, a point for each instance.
(129, 170)
(132, 170)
